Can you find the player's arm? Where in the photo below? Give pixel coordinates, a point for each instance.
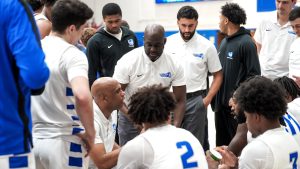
(258, 36)
(124, 108)
(45, 27)
(239, 141)
(116, 146)
(258, 47)
(180, 96)
(297, 79)
(215, 85)
(84, 108)
(102, 159)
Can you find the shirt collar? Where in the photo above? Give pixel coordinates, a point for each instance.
(100, 113)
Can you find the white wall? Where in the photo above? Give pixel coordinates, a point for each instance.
(139, 13)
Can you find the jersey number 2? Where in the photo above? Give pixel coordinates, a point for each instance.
(188, 154)
(294, 159)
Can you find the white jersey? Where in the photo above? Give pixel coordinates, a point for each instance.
(53, 112)
(137, 70)
(274, 149)
(276, 41)
(292, 126)
(163, 147)
(198, 57)
(294, 108)
(105, 130)
(294, 62)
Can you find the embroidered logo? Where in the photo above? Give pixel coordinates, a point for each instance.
(114, 127)
(109, 46)
(291, 32)
(130, 42)
(199, 55)
(230, 55)
(268, 29)
(139, 75)
(165, 75)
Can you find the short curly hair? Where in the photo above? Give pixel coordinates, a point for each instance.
(87, 34)
(262, 96)
(152, 105)
(234, 13)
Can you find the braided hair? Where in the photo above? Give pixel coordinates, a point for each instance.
(290, 86)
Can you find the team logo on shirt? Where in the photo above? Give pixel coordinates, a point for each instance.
(230, 55)
(292, 32)
(165, 75)
(130, 42)
(114, 127)
(199, 55)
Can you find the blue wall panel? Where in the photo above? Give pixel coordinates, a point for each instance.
(265, 5)
(206, 33)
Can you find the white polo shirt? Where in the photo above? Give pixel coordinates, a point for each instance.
(137, 70)
(198, 57)
(105, 130)
(294, 62)
(276, 41)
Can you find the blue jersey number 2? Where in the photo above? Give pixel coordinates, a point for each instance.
(293, 159)
(188, 154)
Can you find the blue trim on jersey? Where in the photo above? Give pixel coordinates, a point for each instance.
(75, 161)
(75, 118)
(76, 130)
(70, 106)
(75, 147)
(69, 92)
(287, 121)
(294, 120)
(18, 162)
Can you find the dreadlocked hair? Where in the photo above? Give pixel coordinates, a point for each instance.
(290, 86)
(151, 105)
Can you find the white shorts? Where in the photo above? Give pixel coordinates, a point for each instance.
(21, 161)
(57, 153)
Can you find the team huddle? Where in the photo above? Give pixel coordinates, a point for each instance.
(84, 98)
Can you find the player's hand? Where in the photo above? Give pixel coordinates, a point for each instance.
(228, 158)
(206, 102)
(297, 79)
(212, 164)
(88, 141)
